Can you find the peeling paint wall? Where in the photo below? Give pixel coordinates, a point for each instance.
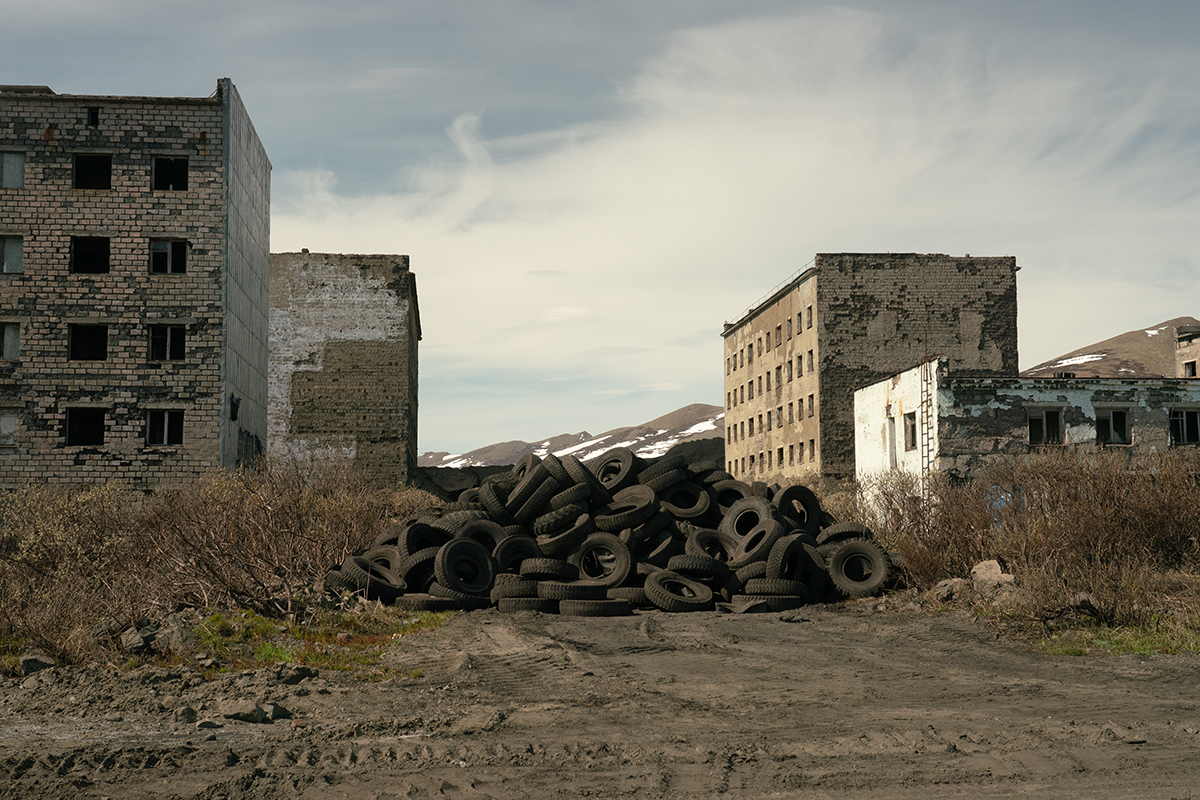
(343, 364)
(879, 424)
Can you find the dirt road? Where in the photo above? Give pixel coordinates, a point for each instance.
(834, 701)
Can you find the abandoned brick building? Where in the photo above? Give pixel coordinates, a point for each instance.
(343, 361)
(133, 298)
(793, 361)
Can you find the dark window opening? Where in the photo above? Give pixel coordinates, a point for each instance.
(164, 427)
(168, 257)
(85, 427)
(93, 172)
(1185, 427)
(1044, 427)
(89, 254)
(1189, 369)
(168, 342)
(808, 316)
(1112, 428)
(171, 174)
(93, 117)
(910, 431)
(87, 343)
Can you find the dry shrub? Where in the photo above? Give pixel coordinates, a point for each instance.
(1100, 524)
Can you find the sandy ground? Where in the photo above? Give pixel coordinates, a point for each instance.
(829, 701)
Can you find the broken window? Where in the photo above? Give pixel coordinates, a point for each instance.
(1045, 426)
(170, 174)
(164, 427)
(778, 335)
(1189, 369)
(93, 116)
(789, 327)
(779, 457)
(810, 360)
(89, 254)
(87, 342)
(791, 454)
(812, 450)
(85, 427)
(1185, 427)
(8, 428)
(760, 423)
(752, 426)
(768, 420)
(791, 416)
(728, 435)
(768, 380)
(760, 345)
(167, 342)
(812, 405)
(12, 341)
(751, 385)
(789, 370)
(808, 314)
(1112, 427)
(768, 459)
(93, 171)
(800, 366)
(761, 463)
(12, 170)
(11, 251)
(752, 463)
(800, 447)
(910, 431)
(750, 353)
(760, 384)
(168, 256)
(743, 431)
(779, 376)
(779, 416)
(743, 397)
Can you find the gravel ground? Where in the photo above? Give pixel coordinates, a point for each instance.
(857, 700)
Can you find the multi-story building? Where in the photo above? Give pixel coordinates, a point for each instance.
(793, 361)
(133, 297)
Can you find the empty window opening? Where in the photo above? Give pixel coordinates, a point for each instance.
(11, 250)
(910, 431)
(761, 463)
(726, 360)
(93, 171)
(768, 459)
(778, 335)
(743, 431)
(810, 360)
(743, 392)
(12, 340)
(800, 366)
(768, 381)
(812, 450)
(85, 427)
(791, 454)
(760, 345)
(1045, 426)
(760, 423)
(779, 376)
(168, 342)
(779, 457)
(768, 420)
(727, 398)
(12, 170)
(812, 405)
(89, 254)
(8, 428)
(789, 328)
(779, 417)
(752, 426)
(87, 342)
(808, 314)
(760, 384)
(752, 463)
(93, 113)
(170, 174)
(728, 434)
(168, 257)
(1112, 427)
(164, 427)
(750, 384)
(750, 354)
(1189, 369)
(1185, 427)
(791, 416)
(789, 370)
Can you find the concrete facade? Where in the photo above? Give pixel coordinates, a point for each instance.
(848, 321)
(969, 421)
(343, 365)
(1187, 352)
(133, 298)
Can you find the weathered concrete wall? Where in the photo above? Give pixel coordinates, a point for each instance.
(880, 314)
(40, 386)
(1187, 353)
(343, 364)
(880, 444)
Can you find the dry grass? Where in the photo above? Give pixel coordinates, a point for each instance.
(254, 540)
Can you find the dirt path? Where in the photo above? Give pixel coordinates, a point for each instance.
(823, 702)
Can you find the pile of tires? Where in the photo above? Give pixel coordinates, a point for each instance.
(557, 536)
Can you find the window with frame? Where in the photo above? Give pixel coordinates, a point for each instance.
(1112, 427)
(169, 257)
(87, 342)
(1189, 369)
(910, 431)
(12, 170)
(12, 341)
(779, 456)
(789, 370)
(768, 341)
(1045, 426)
(778, 335)
(808, 314)
(743, 391)
(89, 255)
(92, 171)
(789, 328)
(170, 174)
(84, 427)
(1185, 426)
(812, 405)
(164, 427)
(810, 360)
(12, 252)
(791, 416)
(727, 405)
(168, 343)
(9, 422)
(791, 454)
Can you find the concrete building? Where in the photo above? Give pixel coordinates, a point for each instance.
(928, 418)
(793, 361)
(133, 297)
(343, 365)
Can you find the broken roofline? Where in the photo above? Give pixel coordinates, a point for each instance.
(45, 93)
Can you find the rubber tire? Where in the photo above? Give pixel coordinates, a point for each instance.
(634, 595)
(614, 469)
(425, 602)
(565, 542)
(556, 469)
(796, 558)
(595, 608)
(511, 605)
(493, 498)
(842, 531)
(675, 593)
(417, 569)
(859, 568)
(572, 590)
(419, 536)
(698, 500)
(578, 493)
(665, 481)
(703, 568)
(487, 533)
(511, 551)
(522, 588)
(628, 509)
(537, 502)
(467, 602)
(799, 507)
(388, 557)
(757, 544)
(603, 558)
(558, 519)
(548, 569)
(712, 543)
(777, 586)
(465, 566)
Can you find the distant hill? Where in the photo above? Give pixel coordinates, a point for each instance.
(1143, 353)
(649, 440)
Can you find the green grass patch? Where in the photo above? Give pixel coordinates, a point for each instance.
(1164, 636)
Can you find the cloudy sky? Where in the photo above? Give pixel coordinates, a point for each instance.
(589, 190)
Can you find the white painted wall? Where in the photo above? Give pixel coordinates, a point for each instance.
(879, 411)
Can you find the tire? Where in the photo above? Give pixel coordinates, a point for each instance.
(521, 588)
(487, 533)
(649, 528)
(614, 469)
(389, 536)
(665, 481)
(795, 558)
(777, 586)
(685, 500)
(859, 568)
(603, 558)
(574, 494)
(548, 569)
(580, 474)
(534, 478)
(760, 489)
(595, 608)
(634, 595)
(468, 496)
(388, 557)
(467, 602)
(420, 536)
(727, 493)
(493, 498)
(628, 509)
(746, 515)
(756, 570)
(757, 544)
(658, 551)
(661, 467)
(711, 543)
(465, 566)
(800, 508)
(453, 523)
(537, 502)
(842, 531)
(524, 464)
(511, 551)
(556, 469)
(565, 542)
(713, 478)
(703, 568)
(373, 579)
(557, 519)
(425, 602)
(336, 583)
(511, 605)
(572, 590)
(675, 593)
(417, 569)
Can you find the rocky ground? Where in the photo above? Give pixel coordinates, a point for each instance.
(872, 699)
